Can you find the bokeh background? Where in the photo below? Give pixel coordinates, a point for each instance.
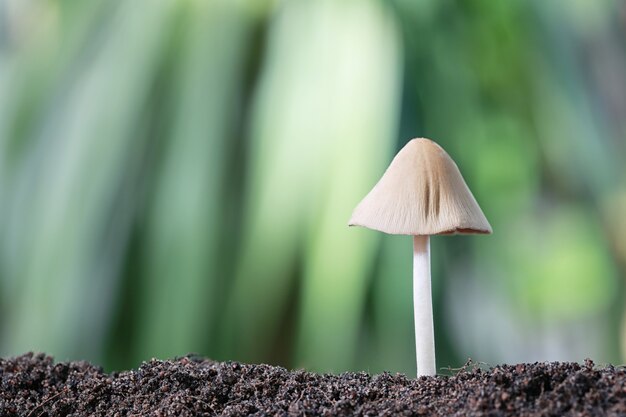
(177, 176)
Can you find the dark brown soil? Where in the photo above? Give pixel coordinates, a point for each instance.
(33, 385)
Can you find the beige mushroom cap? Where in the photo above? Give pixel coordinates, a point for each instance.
(421, 193)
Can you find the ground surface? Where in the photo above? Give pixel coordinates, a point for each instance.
(33, 385)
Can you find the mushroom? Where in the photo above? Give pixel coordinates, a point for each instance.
(422, 193)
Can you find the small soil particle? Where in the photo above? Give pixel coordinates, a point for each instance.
(33, 385)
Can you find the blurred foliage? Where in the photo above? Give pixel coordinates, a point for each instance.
(177, 176)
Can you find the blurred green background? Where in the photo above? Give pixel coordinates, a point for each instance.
(177, 176)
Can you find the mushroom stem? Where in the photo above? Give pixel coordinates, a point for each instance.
(423, 307)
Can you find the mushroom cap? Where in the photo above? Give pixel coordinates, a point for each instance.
(421, 193)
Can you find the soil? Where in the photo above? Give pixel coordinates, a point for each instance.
(33, 385)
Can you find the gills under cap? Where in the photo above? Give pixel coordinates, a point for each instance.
(421, 193)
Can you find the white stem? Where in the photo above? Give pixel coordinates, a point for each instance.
(423, 307)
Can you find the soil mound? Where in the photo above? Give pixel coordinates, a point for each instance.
(33, 385)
